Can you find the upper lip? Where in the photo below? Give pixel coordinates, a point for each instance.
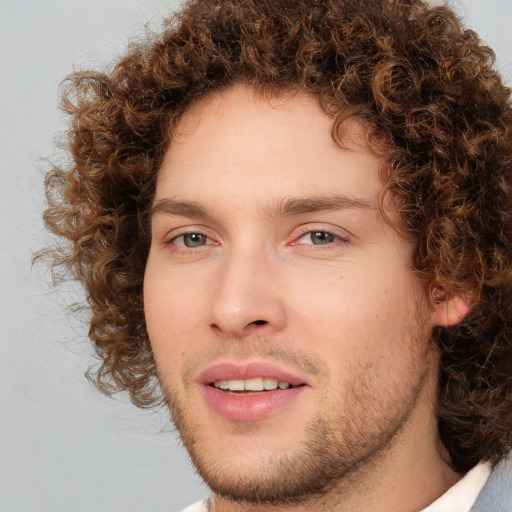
(247, 370)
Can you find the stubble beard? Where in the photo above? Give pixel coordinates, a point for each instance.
(338, 448)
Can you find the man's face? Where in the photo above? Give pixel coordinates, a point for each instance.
(271, 267)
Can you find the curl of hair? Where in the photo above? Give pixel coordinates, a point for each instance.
(427, 92)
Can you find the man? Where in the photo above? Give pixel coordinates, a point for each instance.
(292, 220)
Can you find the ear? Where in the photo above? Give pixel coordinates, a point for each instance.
(449, 309)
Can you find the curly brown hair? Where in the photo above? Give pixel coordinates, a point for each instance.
(427, 92)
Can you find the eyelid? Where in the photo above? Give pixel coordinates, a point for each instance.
(173, 234)
(340, 234)
(184, 246)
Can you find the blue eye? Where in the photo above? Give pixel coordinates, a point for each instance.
(190, 240)
(318, 238)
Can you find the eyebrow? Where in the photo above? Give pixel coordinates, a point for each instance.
(285, 207)
(299, 205)
(173, 207)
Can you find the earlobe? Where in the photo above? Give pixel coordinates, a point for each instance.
(450, 309)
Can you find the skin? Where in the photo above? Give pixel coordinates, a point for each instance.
(233, 276)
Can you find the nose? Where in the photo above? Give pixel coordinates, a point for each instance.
(247, 298)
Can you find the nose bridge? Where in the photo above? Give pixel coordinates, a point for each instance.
(245, 298)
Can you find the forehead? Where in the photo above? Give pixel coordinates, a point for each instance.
(240, 141)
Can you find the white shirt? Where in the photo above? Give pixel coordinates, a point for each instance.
(462, 496)
(200, 506)
(459, 498)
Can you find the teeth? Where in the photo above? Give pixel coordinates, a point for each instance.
(270, 384)
(256, 384)
(236, 385)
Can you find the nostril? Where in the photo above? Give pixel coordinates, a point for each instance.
(260, 322)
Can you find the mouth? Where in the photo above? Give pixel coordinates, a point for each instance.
(256, 385)
(249, 392)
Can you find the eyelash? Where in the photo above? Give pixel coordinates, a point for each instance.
(172, 241)
(336, 240)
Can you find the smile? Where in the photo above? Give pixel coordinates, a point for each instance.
(249, 391)
(255, 384)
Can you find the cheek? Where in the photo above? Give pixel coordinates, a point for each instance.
(171, 319)
(170, 299)
(360, 317)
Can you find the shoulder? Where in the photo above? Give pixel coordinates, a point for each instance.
(497, 492)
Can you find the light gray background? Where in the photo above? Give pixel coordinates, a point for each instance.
(64, 447)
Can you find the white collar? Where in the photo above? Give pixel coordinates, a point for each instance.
(462, 496)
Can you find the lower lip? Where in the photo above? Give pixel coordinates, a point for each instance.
(253, 407)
